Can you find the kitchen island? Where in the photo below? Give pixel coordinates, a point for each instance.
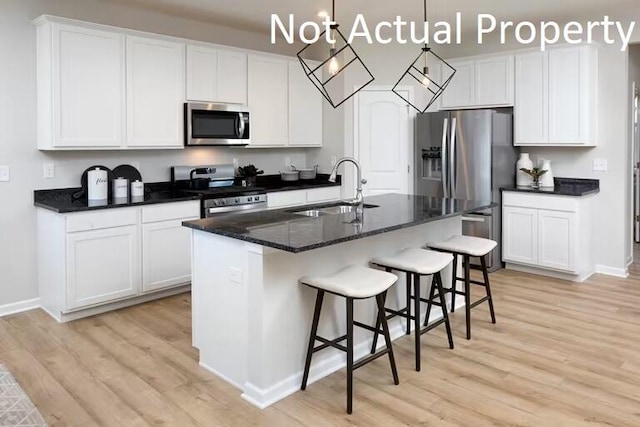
(251, 318)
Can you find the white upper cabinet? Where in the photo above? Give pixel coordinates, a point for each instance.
(460, 92)
(556, 97)
(530, 111)
(268, 101)
(155, 93)
(485, 81)
(305, 109)
(232, 77)
(215, 75)
(80, 88)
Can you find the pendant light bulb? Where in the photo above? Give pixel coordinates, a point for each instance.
(334, 65)
(426, 80)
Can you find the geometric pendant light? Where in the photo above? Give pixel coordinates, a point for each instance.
(341, 64)
(432, 73)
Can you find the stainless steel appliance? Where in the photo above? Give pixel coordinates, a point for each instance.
(468, 155)
(221, 196)
(216, 124)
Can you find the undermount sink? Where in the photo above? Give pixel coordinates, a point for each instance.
(331, 210)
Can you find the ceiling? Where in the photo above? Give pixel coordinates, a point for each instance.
(255, 15)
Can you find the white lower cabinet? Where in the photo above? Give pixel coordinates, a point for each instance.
(88, 260)
(548, 233)
(283, 199)
(102, 266)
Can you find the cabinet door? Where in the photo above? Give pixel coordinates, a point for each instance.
(531, 99)
(268, 101)
(494, 81)
(571, 89)
(88, 76)
(557, 240)
(520, 235)
(232, 77)
(166, 254)
(155, 93)
(305, 109)
(202, 74)
(102, 266)
(460, 92)
(283, 199)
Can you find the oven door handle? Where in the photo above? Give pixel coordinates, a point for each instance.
(238, 209)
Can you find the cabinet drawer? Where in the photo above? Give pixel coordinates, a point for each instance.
(323, 194)
(104, 219)
(540, 201)
(286, 198)
(169, 211)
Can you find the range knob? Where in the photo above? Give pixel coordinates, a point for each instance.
(257, 198)
(249, 199)
(237, 201)
(223, 202)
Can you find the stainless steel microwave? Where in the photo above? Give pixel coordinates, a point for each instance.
(216, 124)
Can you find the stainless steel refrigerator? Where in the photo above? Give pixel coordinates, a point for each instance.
(468, 154)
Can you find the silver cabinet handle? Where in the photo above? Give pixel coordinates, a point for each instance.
(443, 161)
(474, 218)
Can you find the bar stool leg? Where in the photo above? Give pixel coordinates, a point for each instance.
(467, 294)
(387, 338)
(416, 315)
(438, 282)
(485, 273)
(408, 290)
(375, 334)
(312, 338)
(454, 282)
(432, 293)
(349, 355)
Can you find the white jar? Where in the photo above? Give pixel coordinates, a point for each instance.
(523, 179)
(137, 189)
(120, 188)
(97, 185)
(546, 180)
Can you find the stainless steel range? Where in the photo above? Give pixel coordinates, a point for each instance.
(220, 196)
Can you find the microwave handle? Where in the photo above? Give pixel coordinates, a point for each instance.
(240, 125)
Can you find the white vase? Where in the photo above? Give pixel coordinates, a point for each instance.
(522, 179)
(546, 180)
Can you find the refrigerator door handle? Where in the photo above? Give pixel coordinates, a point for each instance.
(444, 164)
(452, 158)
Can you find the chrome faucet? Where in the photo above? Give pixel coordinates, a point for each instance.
(359, 200)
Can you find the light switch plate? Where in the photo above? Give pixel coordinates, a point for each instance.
(600, 165)
(5, 173)
(235, 275)
(48, 171)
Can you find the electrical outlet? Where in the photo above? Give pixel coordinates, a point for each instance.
(235, 164)
(600, 165)
(235, 275)
(48, 171)
(5, 173)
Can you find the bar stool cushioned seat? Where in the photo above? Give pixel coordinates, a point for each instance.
(416, 260)
(474, 246)
(353, 281)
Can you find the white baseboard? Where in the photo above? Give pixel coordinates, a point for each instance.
(221, 376)
(262, 398)
(623, 273)
(549, 273)
(19, 307)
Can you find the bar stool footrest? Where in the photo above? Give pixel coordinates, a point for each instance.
(360, 363)
(432, 326)
(480, 301)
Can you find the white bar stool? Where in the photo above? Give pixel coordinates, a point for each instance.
(415, 263)
(467, 247)
(352, 282)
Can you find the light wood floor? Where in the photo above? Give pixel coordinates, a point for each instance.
(562, 354)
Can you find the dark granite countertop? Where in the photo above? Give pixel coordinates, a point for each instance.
(273, 183)
(563, 187)
(285, 230)
(62, 201)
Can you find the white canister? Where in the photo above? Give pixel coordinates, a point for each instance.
(523, 180)
(97, 184)
(546, 180)
(120, 188)
(137, 189)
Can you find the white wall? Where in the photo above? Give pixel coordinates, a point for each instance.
(18, 127)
